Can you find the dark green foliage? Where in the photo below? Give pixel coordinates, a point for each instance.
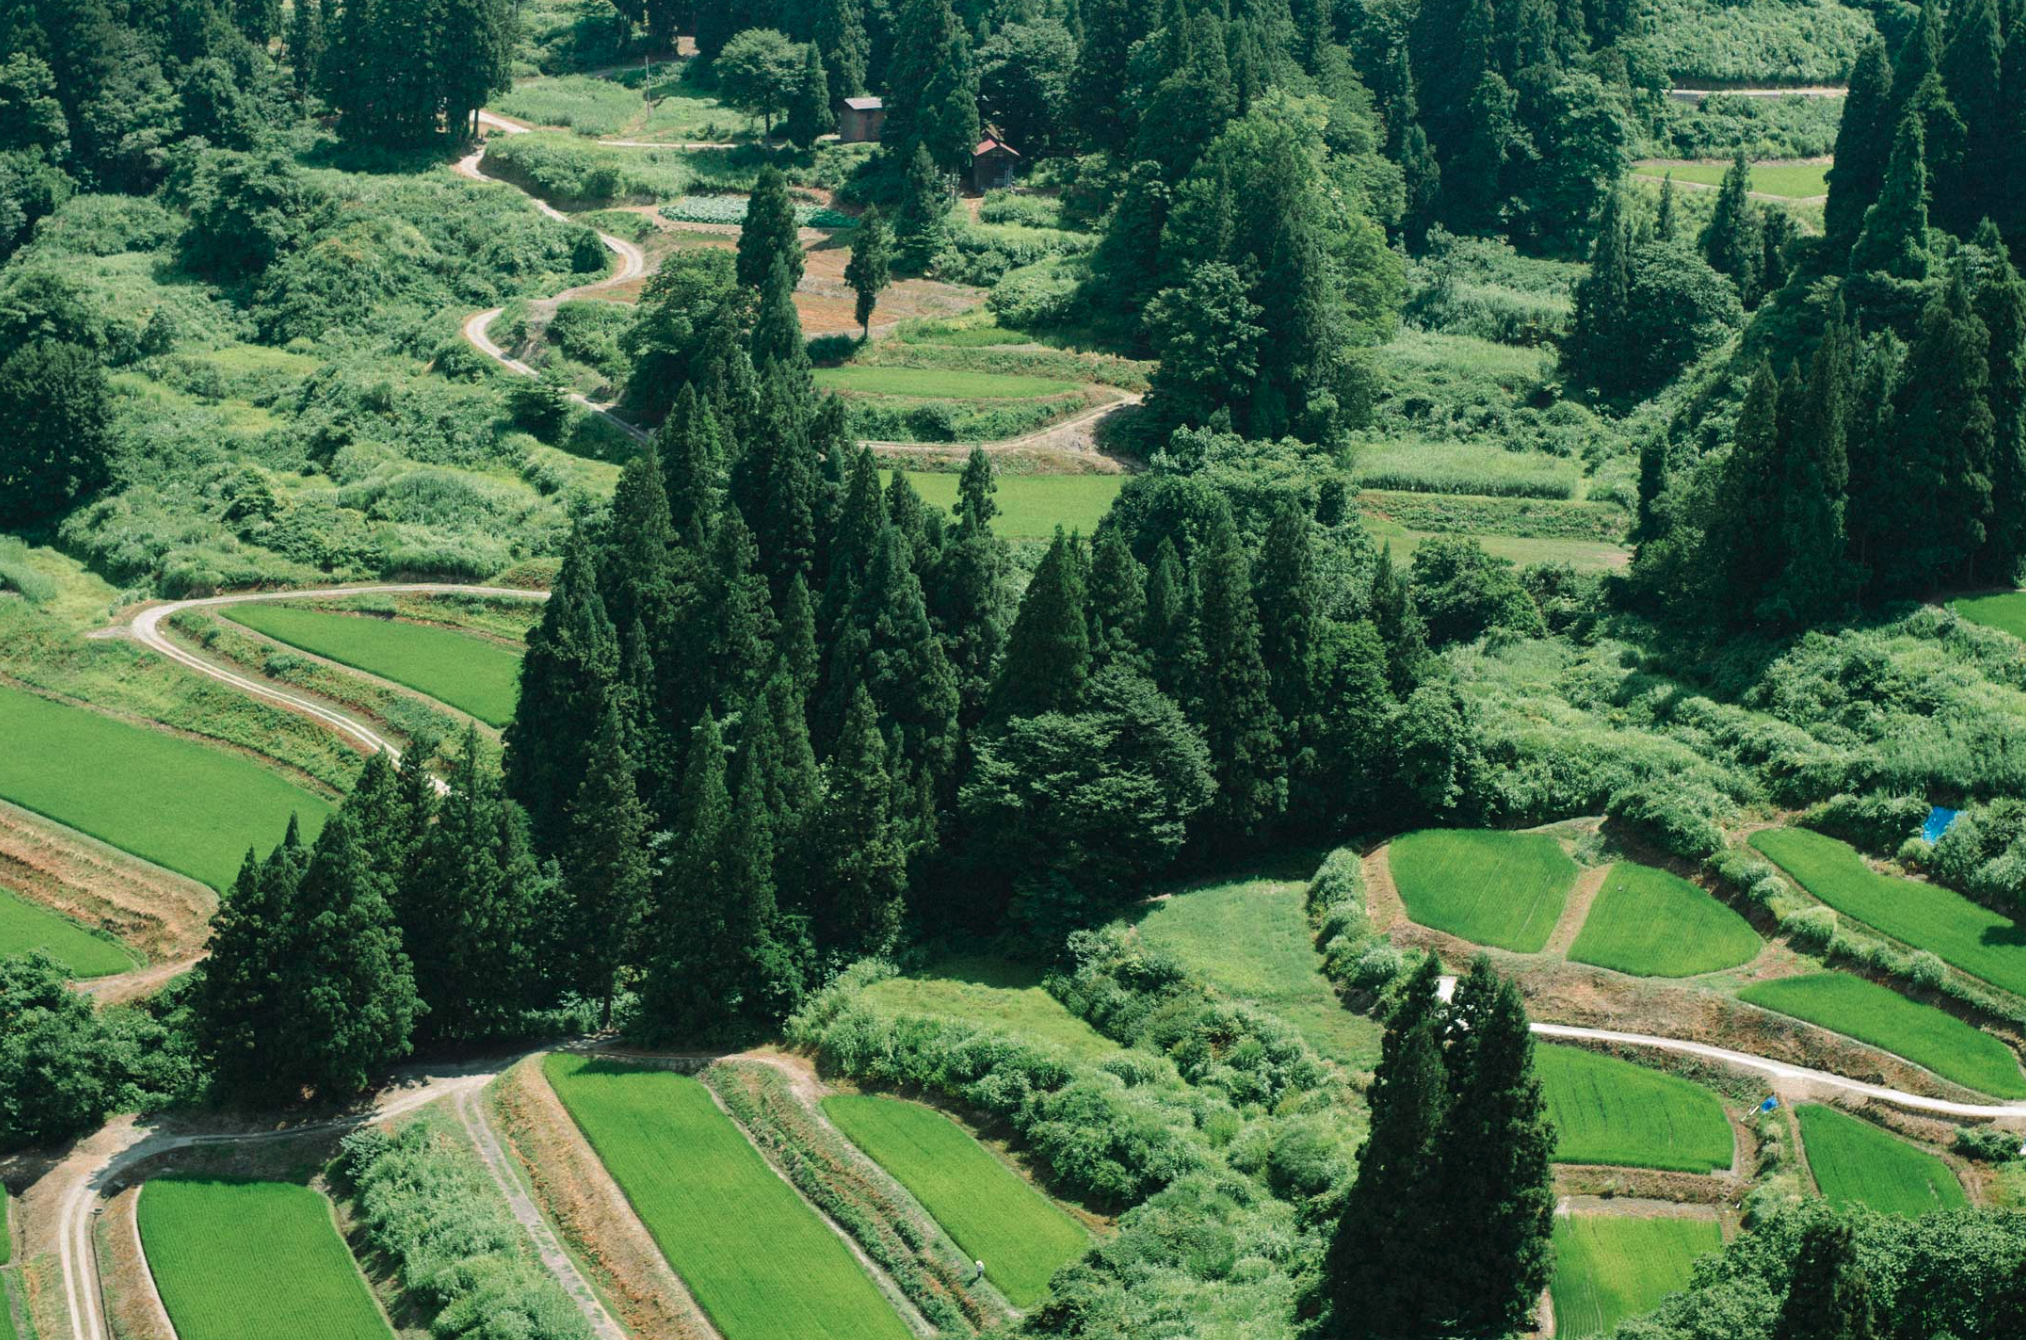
(809, 106)
(1893, 241)
(923, 222)
(1048, 651)
(864, 868)
(1447, 1229)
(760, 71)
(65, 1066)
(870, 268)
(1829, 1298)
(768, 233)
(1464, 593)
(1732, 243)
(566, 682)
(931, 87)
(607, 883)
(395, 71)
(55, 401)
(1863, 146)
(690, 311)
(840, 38)
(1599, 347)
(306, 988)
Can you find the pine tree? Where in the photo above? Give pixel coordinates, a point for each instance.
(922, 227)
(1666, 226)
(1863, 146)
(809, 112)
(1812, 580)
(1496, 1180)
(1731, 242)
(1946, 445)
(347, 1002)
(607, 882)
(1100, 106)
(307, 42)
(1970, 71)
(1600, 342)
(778, 346)
(1289, 595)
(794, 796)
(970, 596)
(690, 446)
(2000, 302)
(637, 571)
(566, 678)
(1048, 652)
(1172, 638)
(1237, 715)
(237, 995)
(467, 908)
(931, 87)
(795, 651)
(1893, 241)
(1400, 626)
(1742, 533)
(1829, 1297)
(1919, 56)
(768, 233)
(865, 868)
(1381, 1276)
(840, 37)
(870, 268)
(1118, 599)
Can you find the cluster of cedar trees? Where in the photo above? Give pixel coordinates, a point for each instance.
(1448, 1229)
(1879, 448)
(398, 71)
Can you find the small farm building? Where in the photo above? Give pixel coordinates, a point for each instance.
(859, 120)
(992, 164)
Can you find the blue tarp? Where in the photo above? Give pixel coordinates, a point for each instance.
(1938, 823)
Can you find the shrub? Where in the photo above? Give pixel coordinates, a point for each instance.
(1987, 1144)
(431, 1208)
(1877, 822)
(1811, 927)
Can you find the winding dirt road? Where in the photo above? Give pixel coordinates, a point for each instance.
(632, 265)
(146, 629)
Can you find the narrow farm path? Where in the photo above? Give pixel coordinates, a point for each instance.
(72, 1189)
(471, 1112)
(632, 265)
(146, 629)
(1582, 896)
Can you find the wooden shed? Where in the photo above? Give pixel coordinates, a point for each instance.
(992, 164)
(859, 120)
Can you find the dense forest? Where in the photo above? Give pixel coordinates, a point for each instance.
(782, 722)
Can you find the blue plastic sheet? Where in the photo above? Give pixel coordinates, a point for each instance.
(1939, 819)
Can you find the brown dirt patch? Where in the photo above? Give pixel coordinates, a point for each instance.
(590, 1211)
(133, 1307)
(164, 915)
(1635, 1207)
(1586, 1180)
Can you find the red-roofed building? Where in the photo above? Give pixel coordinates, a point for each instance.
(992, 164)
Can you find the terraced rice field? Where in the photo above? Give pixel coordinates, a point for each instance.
(253, 1261)
(470, 673)
(1502, 889)
(2006, 612)
(1926, 916)
(1884, 1018)
(1614, 1112)
(1252, 941)
(1795, 181)
(1611, 1266)
(182, 805)
(994, 992)
(1856, 1163)
(1652, 924)
(25, 926)
(1030, 506)
(940, 383)
(760, 1262)
(1022, 1237)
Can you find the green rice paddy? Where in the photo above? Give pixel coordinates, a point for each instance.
(1921, 1033)
(238, 1260)
(1795, 181)
(1614, 1112)
(758, 1260)
(1856, 1163)
(1022, 1237)
(1652, 924)
(2006, 613)
(940, 383)
(1612, 1266)
(1972, 937)
(1503, 889)
(1252, 941)
(469, 673)
(1030, 506)
(25, 926)
(996, 992)
(193, 809)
